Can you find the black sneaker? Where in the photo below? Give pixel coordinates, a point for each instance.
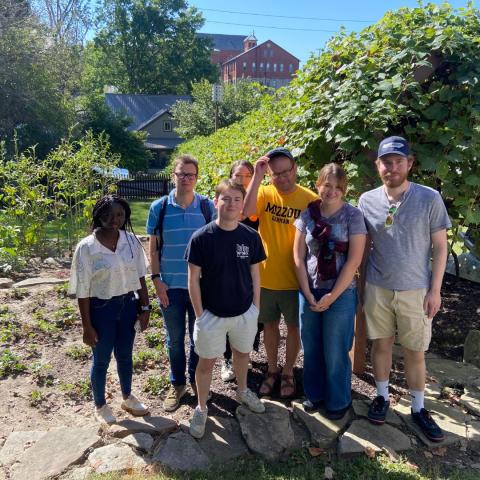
(428, 425)
(311, 407)
(378, 410)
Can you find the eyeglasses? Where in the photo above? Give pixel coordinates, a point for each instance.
(391, 215)
(188, 176)
(285, 173)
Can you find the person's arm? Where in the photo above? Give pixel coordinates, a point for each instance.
(299, 254)
(433, 300)
(90, 336)
(255, 272)
(194, 272)
(144, 316)
(250, 203)
(356, 248)
(160, 287)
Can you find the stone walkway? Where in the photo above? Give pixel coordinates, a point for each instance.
(73, 453)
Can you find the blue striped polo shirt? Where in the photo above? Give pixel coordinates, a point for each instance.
(179, 224)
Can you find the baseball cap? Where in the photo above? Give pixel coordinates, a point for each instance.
(280, 152)
(396, 145)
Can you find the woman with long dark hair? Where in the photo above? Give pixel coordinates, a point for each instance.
(108, 267)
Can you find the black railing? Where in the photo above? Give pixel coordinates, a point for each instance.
(144, 186)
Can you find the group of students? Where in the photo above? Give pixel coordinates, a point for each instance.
(214, 273)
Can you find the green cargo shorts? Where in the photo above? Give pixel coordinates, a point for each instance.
(274, 303)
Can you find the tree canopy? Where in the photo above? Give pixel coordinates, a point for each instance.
(415, 73)
(148, 46)
(198, 116)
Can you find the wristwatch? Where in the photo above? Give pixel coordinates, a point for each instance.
(145, 308)
(153, 276)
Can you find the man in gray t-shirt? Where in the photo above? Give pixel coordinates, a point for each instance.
(407, 226)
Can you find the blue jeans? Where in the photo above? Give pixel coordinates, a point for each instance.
(114, 321)
(327, 338)
(174, 317)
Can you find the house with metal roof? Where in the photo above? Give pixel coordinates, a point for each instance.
(151, 114)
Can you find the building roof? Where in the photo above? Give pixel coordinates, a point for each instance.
(162, 143)
(142, 109)
(225, 42)
(258, 46)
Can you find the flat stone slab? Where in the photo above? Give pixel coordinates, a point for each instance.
(148, 424)
(470, 400)
(360, 407)
(362, 434)
(17, 443)
(30, 282)
(223, 440)
(469, 267)
(450, 373)
(141, 441)
(81, 473)
(181, 452)
(6, 283)
(54, 452)
(323, 431)
(115, 458)
(457, 426)
(269, 434)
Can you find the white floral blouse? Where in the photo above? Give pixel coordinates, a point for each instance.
(99, 272)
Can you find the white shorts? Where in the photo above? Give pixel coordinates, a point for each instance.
(210, 333)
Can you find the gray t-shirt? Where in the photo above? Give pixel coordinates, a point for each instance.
(346, 222)
(400, 257)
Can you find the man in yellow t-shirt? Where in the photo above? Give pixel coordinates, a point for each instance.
(277, 206)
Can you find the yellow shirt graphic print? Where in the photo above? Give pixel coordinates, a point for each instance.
(277, 213)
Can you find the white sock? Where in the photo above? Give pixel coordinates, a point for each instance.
(200, 410)
(418, 399)
(382, 389)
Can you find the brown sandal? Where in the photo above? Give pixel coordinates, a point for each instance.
(287, 382)
(267, 386)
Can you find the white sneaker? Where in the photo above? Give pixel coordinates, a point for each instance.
(134, 406)
(197, 423)
(227, 374)
(104, 414)
(249, 399)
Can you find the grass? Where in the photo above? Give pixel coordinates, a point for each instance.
(139, 216)
(301, 466)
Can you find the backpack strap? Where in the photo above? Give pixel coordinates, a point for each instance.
(206, 211)
(159, 228)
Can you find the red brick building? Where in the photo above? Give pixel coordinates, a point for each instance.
(241, 58)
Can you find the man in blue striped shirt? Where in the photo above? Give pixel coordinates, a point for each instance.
(171, 222)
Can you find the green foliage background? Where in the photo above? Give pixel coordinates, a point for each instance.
(415, 73)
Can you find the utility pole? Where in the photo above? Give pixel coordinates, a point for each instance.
(217, 97)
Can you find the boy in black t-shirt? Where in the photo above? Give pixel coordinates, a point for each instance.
(224, 286)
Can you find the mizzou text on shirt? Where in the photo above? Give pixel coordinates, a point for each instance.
(277, 213)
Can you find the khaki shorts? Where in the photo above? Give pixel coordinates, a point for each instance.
(275, 303)
(210, 333)
(390, 311)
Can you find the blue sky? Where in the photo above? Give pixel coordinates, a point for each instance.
(299, 43)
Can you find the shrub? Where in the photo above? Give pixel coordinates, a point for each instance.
(156, 384)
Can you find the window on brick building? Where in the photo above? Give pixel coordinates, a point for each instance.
(290, 68)
(265, 53)
(254, 67)
(268, 67)
(244, 65)
(274, 67)
(271, 53)
(261, 66)
(281, 67)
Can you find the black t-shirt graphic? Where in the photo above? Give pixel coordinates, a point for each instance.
(225, 258)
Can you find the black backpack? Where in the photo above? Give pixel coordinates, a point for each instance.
(204, 207)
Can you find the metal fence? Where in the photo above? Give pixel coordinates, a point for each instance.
(144, 186)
